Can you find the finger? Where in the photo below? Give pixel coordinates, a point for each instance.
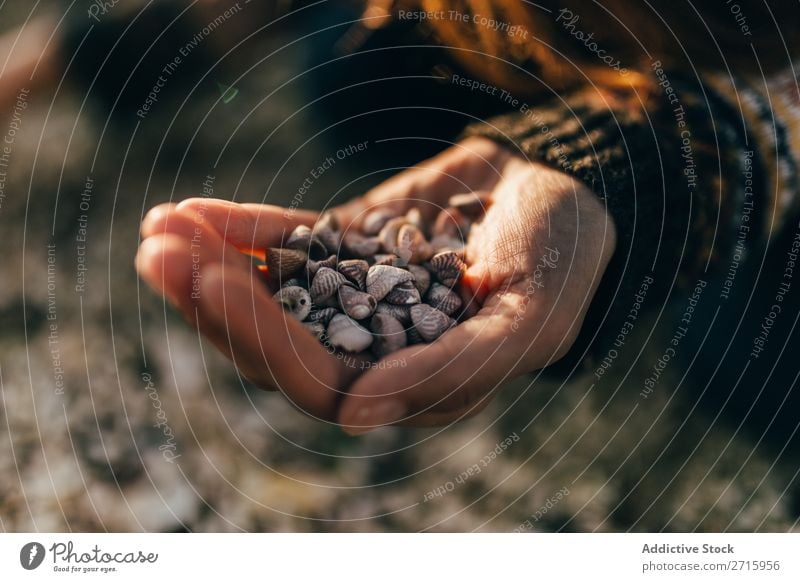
(247, 226)
(268, 346)
(427, 384)
(155, 219)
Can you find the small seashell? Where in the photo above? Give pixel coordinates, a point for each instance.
(448, 267)
(327, 221)
(346, 334)
(355, 270)
(389, 232)
(430, 322)
(295, 300)
(422, 278)
(472, 204)
(382, 278)
(361, 246)
(330, 238)
(283, 263)
(325, 284)
(411, 244)
(453, 223)
(316, 328)
(323, 315)
(294, 282)
(401, 313)
(384, 259)
(376, 219)
(443, 299)
(403, 294)
(389, 335)
(302, 239)
(356, 304)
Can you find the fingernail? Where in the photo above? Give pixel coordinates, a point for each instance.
(370, 417)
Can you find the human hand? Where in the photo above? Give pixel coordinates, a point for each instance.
(535, 261)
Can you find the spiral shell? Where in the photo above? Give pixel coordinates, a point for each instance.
(448, 267)
(430, 322)
(382, 278)
(283, 263)
(422, 278)
(472, 204)
(389, 335)
(294, 300)
(403, 294)
(361, 246)
(355, 271)
(346, 334)
(326, 282)
(356, 304)
(375, 220)
(443, 299)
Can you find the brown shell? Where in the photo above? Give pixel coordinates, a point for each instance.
(356, 304)
(443, 299)
(355, 270)
(330, 238)
(430, 322)
(448, 267)
(283, 263)
(325, 284)
(414, 216)
(382, 278)
(389, 335)
(403, 294)
(384, 259)
(413, 247)
(302, 239)
(422, 278)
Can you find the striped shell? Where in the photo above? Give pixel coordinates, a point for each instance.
(302, 239)
(422, 278)
(401, 313)
(323, 315)
(325, 284)
(313, 266)
(283, 263)
(355, 271)
(430, 322)
(403, 294)
(448, 267)
(443, 299)
(382, 278)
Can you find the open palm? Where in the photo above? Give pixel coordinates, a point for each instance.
(535, 261)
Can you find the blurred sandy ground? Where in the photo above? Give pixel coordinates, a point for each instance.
(90, 458)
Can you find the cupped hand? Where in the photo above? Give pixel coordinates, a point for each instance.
(534, 263)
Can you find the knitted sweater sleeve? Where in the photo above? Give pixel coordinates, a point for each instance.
(684, 179)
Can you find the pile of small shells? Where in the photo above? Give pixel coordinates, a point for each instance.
(382, 288)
